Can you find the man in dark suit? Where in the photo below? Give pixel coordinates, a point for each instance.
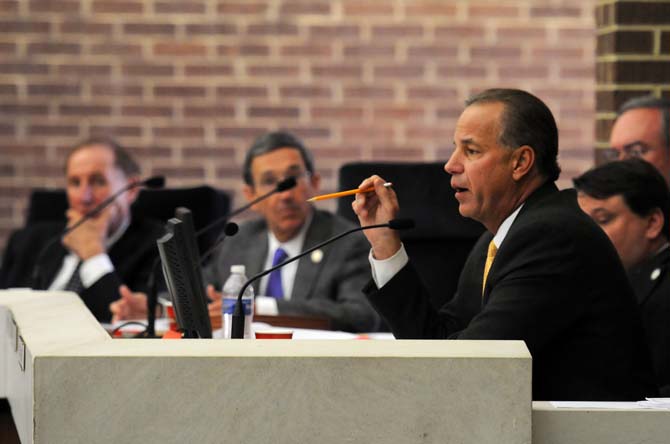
(630, 201)
(104, 253)
(543, 273)
(326, 283)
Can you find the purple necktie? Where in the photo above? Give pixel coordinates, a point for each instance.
(274, 283)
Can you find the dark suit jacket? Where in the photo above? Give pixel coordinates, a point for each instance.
(651, 282)
(330, 288)
(132, 256)
(557, 284)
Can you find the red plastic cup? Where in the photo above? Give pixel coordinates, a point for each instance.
(274, 334)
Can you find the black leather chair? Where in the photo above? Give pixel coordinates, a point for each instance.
(205, 203)
(442, 238)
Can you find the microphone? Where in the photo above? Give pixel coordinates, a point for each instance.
(151, 182)
(237, 330)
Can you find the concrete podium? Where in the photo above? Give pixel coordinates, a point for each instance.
(67, 381)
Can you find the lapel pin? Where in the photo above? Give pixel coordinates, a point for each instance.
(316, 256)
(655, 274)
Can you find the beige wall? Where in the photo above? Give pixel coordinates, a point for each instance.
(188, 84)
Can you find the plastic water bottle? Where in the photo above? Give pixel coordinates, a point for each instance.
(230, 291)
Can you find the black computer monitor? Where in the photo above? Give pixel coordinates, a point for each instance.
(181, 268)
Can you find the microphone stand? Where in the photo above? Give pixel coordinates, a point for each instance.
(237, 329)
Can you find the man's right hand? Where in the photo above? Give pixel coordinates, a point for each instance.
(378, 207)
(214, 307)
(130, 306)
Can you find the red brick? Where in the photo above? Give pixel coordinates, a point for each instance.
(242, 8)
(577, 72)
(85, 110)
(151, 152)
(308, 50)
(576, 34)
(116, 130)
(180, 49)
(309, 132)
(19, 149)
(470, 72)
(367, 51)
(215, 153)
(397, 112)
(6, 129)
(272, 70)
(367, 8)
(183, 172)
(244, 133)
(146, 111)
(555, 54)
(87, 28)
(481, 53)
(389, 153)
(7, 170)
(9, 6)
(7, 48)
(429, 132)
(209, 111)
(492, 11)
(180, 7)
(149, 28)
(527, 33)
(214, 70)
(432, 9)
(244, 50)
(116, 89)
(367, 133)
(23, 68)
(555, 11)
(148, 70)
(368, 92)
(44, 48)
(460, 31)
(44, 130)
(24, 27)
(305, 92)
(328, 32)
(431, 92)
(411, 71)
(523, 72)
(211, 29)
(337, 112)
(84, 70)
(432, 51)
(116, 49)
(449, 112)
(241, 91)
(272, 29)
(179, 132)
(303, 8)
(179, 91)
(24, 109)
(397, 31)
(8, 90)
(55, 6)
(337, 71)
(273, 111)
(118, 7)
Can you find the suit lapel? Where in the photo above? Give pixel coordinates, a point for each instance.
(646, 277)
(256, 252)
(308, 268)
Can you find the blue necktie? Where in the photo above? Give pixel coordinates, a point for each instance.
(274, 283)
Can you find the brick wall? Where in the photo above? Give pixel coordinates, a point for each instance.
(188, 84)
(633, 58)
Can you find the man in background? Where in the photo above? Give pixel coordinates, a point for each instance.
(105, 252)
(326, 283)
(544, 273)
(642, 129)
(630, 201)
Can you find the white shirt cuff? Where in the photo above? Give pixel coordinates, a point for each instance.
(93, 268)
(384, 270)
(266, 306)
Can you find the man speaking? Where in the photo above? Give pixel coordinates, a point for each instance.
(544, 273)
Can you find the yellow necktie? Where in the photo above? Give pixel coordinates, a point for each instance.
(489, 261)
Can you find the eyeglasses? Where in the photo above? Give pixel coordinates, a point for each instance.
(269, 182)
(635, 149)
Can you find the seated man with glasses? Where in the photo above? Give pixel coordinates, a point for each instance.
(642, 129)
(326, 283)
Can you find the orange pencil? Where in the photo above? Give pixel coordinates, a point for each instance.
(345, 193)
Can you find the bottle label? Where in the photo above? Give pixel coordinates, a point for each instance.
(229, 306)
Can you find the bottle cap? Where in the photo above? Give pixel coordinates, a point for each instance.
(240, 269)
